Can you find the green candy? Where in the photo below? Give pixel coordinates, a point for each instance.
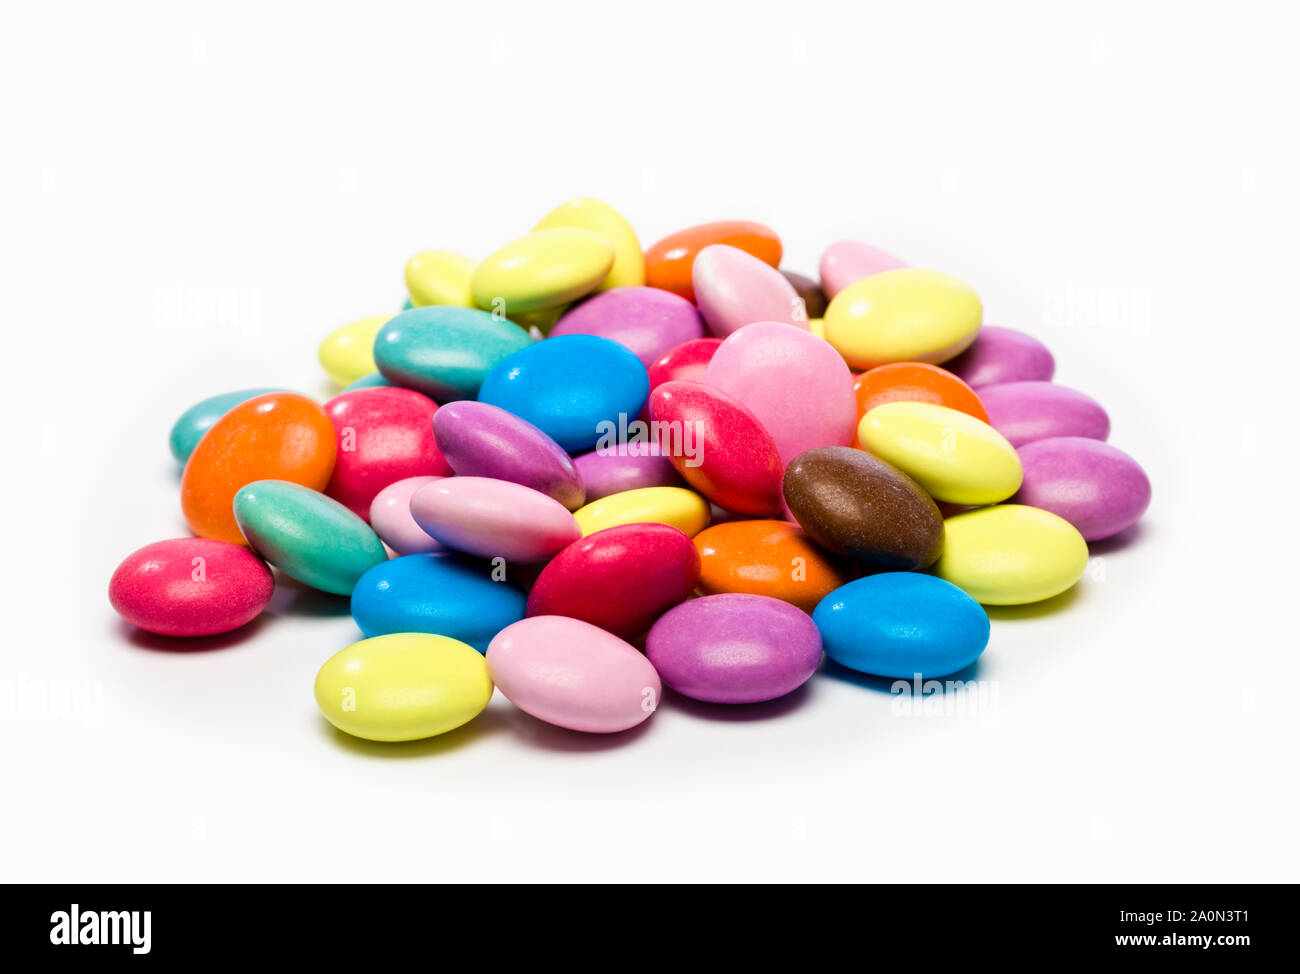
(445, 351)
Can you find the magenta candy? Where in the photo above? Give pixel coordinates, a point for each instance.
(384, 434)
(1099, 489)
(796, 385)
(481, 440)
(645, 320)
(734, 648)
(1028, 411)
(734, 289)
(848, 261)
(625, 466)
(190, 587)
(1003, 355)
(685, 363)
(390, 516)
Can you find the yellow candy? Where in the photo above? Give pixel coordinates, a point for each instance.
(683, 509)
(439, 277)
(1011, 554)
(951, 454)
(905, 315)
(601, 218)
(348, 353)
(403, 687)
(543, 320)
(545, 269)
(817, 326)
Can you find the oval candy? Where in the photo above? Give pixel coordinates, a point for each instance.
(624, 466)
(1011, 554)
(669, 263)
(493, 518)
(1027, 411)
(646, 321)
(348, 353)
(734, 289)
(846, 262)
(546, 269)
(684, 509)
(772, 558)
(439, 277)
(1097, 488)
(199, 418)
(1003, 355)
(916, 382)
(602, 219)
(390, 517)
(685, 363)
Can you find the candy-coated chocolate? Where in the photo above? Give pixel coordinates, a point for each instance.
(572, 674)
(734, 648)
(1099, 489)
(907, 315)
(916, 382)
(849, 261)
(621, 579)
(685, 363)
(814, 300)
(439, 277)
(384, 435)
(818, 327)
(796, 385)
(307, 535)
(951, 454)
(734, 289)
(1003, 355)
(278, 436)
(684, 509)
(403, 687)
(545, 269)
(718, 446)
(776, 559)
(443, 593)
(669, 262)
(190, 587)
(602, 219)
(493, 518)
(348, 353)
(902, 624)
(1027, 411)
(374, 380)
(445, 352)
(199, 418)
(575, 389)
(1011, 554)
(390, 517)
(480, 440)
(857, 505)
(625, 466)
(646, 321)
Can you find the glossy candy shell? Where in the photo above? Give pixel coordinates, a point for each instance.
(669, 262)
(1011, 554)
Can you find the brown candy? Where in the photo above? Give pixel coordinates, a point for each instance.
(814, 301)
(857, 505)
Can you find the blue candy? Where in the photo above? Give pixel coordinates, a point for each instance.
(445, 351)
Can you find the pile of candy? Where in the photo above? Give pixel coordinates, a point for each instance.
(517, 484)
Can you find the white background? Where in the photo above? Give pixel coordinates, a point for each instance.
(193, 199)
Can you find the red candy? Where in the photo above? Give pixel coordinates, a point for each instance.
(685, 363)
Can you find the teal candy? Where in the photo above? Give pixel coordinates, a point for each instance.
(367, 382)
(198, 419)
(408, 304)
(899, 624)
(307, 535)
(444, 351)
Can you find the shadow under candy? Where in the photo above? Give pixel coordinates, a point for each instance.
(1117, 542)
(190, 644)
(484, 725)
(740, 712)
(885, 684)
(538, 733)
(293, 598)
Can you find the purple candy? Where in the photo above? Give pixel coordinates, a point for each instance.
(1094, 486)
(1028, 411)
(734, 648)
(481, 440)
(645, 320)
(1002, 355)
(627, 466)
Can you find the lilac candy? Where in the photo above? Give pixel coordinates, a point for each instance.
(734, 648)
(645, 320)
(1028, 411)
(626, 466)
(1099, 489)
(481, 440)
(1003, 355)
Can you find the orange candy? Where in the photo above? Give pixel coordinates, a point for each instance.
(916, 382)
(668, 263)
(279, 436)
(772, 558)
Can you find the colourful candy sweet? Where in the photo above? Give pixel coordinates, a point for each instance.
(1027, 411)
(546, 269)
(384, 435)
(902, 624)
(1011, 554)
(307, 535)
(572, 674)
(814, 300)
(625, 466)
(776, 559)
(1097, 488)
(734, 289)
(734, 648)
(849, 261)
(442, 593)
(685, 363)
(439, 277)
(493, 518)
(278, 436)
(684, 509)
(669, 263)
(371, 381)
(916, 382)
(348, 353)
(445, 352)
(190, 587)
(602, 219)
(1003, 355)
(199, 418)
(481, 440)
(390, 517)
(403, 687)
(646, 321)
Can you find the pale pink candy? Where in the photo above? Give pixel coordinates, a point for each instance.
(570, 673)
(849, 261)
(390, 516)
(493, 518)
(733, 289)
(794, 382)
